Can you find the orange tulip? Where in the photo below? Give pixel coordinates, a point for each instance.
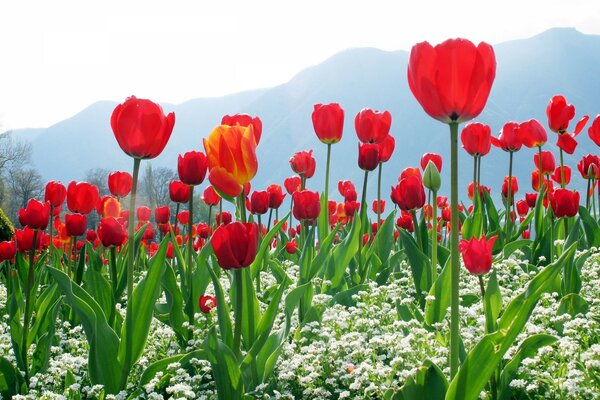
(231, 153)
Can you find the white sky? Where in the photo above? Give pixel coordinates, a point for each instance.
(60, 56)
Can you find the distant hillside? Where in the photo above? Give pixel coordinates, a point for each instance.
(529, 73)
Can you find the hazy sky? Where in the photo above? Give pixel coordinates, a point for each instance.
(60, 56)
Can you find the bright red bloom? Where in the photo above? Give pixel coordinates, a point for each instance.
(8, 250)
(372, 126)
(405, 221)
(378, 205)
(76, 224)
(276, 196)
(119, 183)
(589, 167)
(55, 193)
(303, 163)
(531, 198)
(594, 130)
(351, 207)
(210, 196)
(328, 121)
(532, 133)
(35, 215)
(564, 202)
(476, 138)
(204, 230)
(91, 235)
(179, 192)
(223, 218)
(436, 159)
(108, 206)
(245, 120)
(477, 254)
(471, 190)
(141, 127)
(368, 156)
(557, 176)
(291, 247)
(207, 303)
(559, 114)
(235, 244)
(192, 167)
(259, 202)
(514, 187)
(143, 214)
(24, 239)
(306, 205)
(509, 138)
(82, 197)
(292, 184)
(183, 217)
(111, 232)
(452, 80)
(347, 190)
(522, 208)
(548, 162)
(409, 194)
(386, 148)
(162, 215)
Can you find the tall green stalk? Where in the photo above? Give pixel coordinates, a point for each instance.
(28, 305)
(379, 194)
(326, 193)
(455, 262)
(434, 239)
(190, 266)
(507, 217)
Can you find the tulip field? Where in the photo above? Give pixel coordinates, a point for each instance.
(304, 292)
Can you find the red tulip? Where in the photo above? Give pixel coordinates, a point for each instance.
(192, 167)
(476, 138)
(179, 192)
(235, 244)
(291, 247)
(386, 148)
(589, 167)
(594, 130)
(82, 197)
(409, 194)
(210, 196)
(522, 208)
(223, 218)
(143, 214)
(328, 122)
(306, 205)
(564, 202)
(509, 138)
(435, 158)
(55, 193)
(35, 215)
(347, 190)
(245, 120)
(559, 115)
(514, 187)
(557, 176)
(351, 207)
(532, 133)
(405, 221)
(8, 250)
(91, 235)
(207, 303)
(378, 206)
(292, 184)
(183, 217)
(24, 239)
(452, 80)
(141, 128)
(111, 232)
(548, 162)
(76, 224)
(162, 215)
(368, 156)
(119, 183)
(471, 190)
(531, 198)
(276, 196)
(259, 202)
(477, 254)
(303, 163)
(372, 126)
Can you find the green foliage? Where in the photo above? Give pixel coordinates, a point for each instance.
(6, 228)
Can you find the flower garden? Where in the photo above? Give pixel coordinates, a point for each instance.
(427, 298)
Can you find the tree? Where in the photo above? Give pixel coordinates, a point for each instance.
(23, 184)
(154, 187)
(99, 178)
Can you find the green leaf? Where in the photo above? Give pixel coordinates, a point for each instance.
(223, 314)
(172, 312)
(265, 244)
(97, 285)
(322, 256)
(571, 280)
(482, 360)
(11, 380)
(323, 220)
(473, 225)
(511, 247)
(573, 304)
(344, 252)
(428, 383)
(293, 299)
(419, 265)
(590, 226)
(163, 364)
(436, 308)
(492, 212)
(493, 301)
(226, 371)
(527, 349)
(345, 297)
(103, 341)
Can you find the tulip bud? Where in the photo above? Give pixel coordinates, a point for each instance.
(431, 177)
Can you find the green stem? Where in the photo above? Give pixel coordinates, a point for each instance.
(209, 216)
(551, 235)
(379, 194)
(363, 221)
(455, 263)
(507, 217)
(326, 193)
(540, 176)
(434, 240)
(475, 191)
(239, 302)
(493, 386)
(416, 229)
(260, 238)
(190, 265)
(114, 282)
(562, 170)
(594, 197)
(28, 305)
(587, 195)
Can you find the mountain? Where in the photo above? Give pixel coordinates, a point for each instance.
(529, 72)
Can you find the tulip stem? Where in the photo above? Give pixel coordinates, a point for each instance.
(190, 267)
(475, 191)
(364, 223)
(455, 264)
(416, 229)
(540, 176)
(562, 169)
(488, 329)
(28, 305)
(326, 193)
(587, 195)
(114, 281)
(379, 194)
(434, 239)
(239, 293)
(508, 217)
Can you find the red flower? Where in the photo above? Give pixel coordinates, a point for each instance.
(564, 202)
(8, 250)
(452, 80)
(386, 148)
(223, 218)
(594, 130)
(119, 183)
(409, 194)
(111, 232)
(162, 215)
(378, 205)
(210, 196)
(207, 303)
(259, 202)
(82, 197)
(179, 192)
(476, 138)
(548, 162)
(509, 138)
(183, 217)
(192, 167)
(291, 247)
(235, 244)
(143, 214)
(531, 198)
(35, 215)
(350, 207)
(245, 120)
(55, 193)
(24, 239)
(514, 187)
(76, 224)
(557, 175)
(477, 254)
(589, 167)
(303, 163)
(141, 128)
(328, 121)
(372, 126)
(276, 196)
(522, 208)
(532, 133)
(559, 115)
(306, 205)
(368, 156)
(292, 184)
(435, 158)
(347, 190)
(405, 221)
